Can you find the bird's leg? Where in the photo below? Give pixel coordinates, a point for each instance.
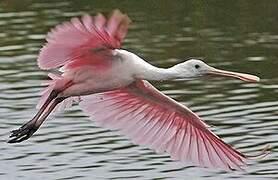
(28, 129)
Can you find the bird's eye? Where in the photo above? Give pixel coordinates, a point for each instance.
(197, 66)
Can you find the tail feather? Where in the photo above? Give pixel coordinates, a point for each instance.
(56, 81)
(46, 92)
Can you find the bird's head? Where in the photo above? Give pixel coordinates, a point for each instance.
(195, 68)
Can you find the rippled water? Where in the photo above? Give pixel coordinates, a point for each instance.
(236, 35)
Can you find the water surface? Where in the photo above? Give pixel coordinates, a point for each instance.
(233, 35)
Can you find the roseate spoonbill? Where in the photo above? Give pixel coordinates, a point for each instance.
(112, 87)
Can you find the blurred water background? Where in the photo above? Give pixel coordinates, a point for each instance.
(233, 35)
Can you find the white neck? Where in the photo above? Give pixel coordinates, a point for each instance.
(142, 70)
(150, 72)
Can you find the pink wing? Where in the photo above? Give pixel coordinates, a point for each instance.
(82, 41)
(151, 118)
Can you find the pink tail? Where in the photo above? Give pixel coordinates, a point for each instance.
(56, 82)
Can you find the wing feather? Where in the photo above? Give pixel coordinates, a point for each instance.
(73, 43)
(152, 119)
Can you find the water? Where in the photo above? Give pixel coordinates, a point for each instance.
(233, 35)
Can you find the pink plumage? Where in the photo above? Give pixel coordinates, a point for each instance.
(111, 85)
(75, 40)
(57, 81)
(71, 45)
(150, 118)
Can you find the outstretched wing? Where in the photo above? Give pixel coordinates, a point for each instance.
(86, 40)
(151, 118)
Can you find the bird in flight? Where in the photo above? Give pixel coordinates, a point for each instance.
(112, 86)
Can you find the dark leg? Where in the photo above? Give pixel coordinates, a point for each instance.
(28, 129)
(52, 96)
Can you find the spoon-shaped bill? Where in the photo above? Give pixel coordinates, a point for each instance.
(241, 76)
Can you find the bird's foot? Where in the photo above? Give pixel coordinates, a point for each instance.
(23, 133)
